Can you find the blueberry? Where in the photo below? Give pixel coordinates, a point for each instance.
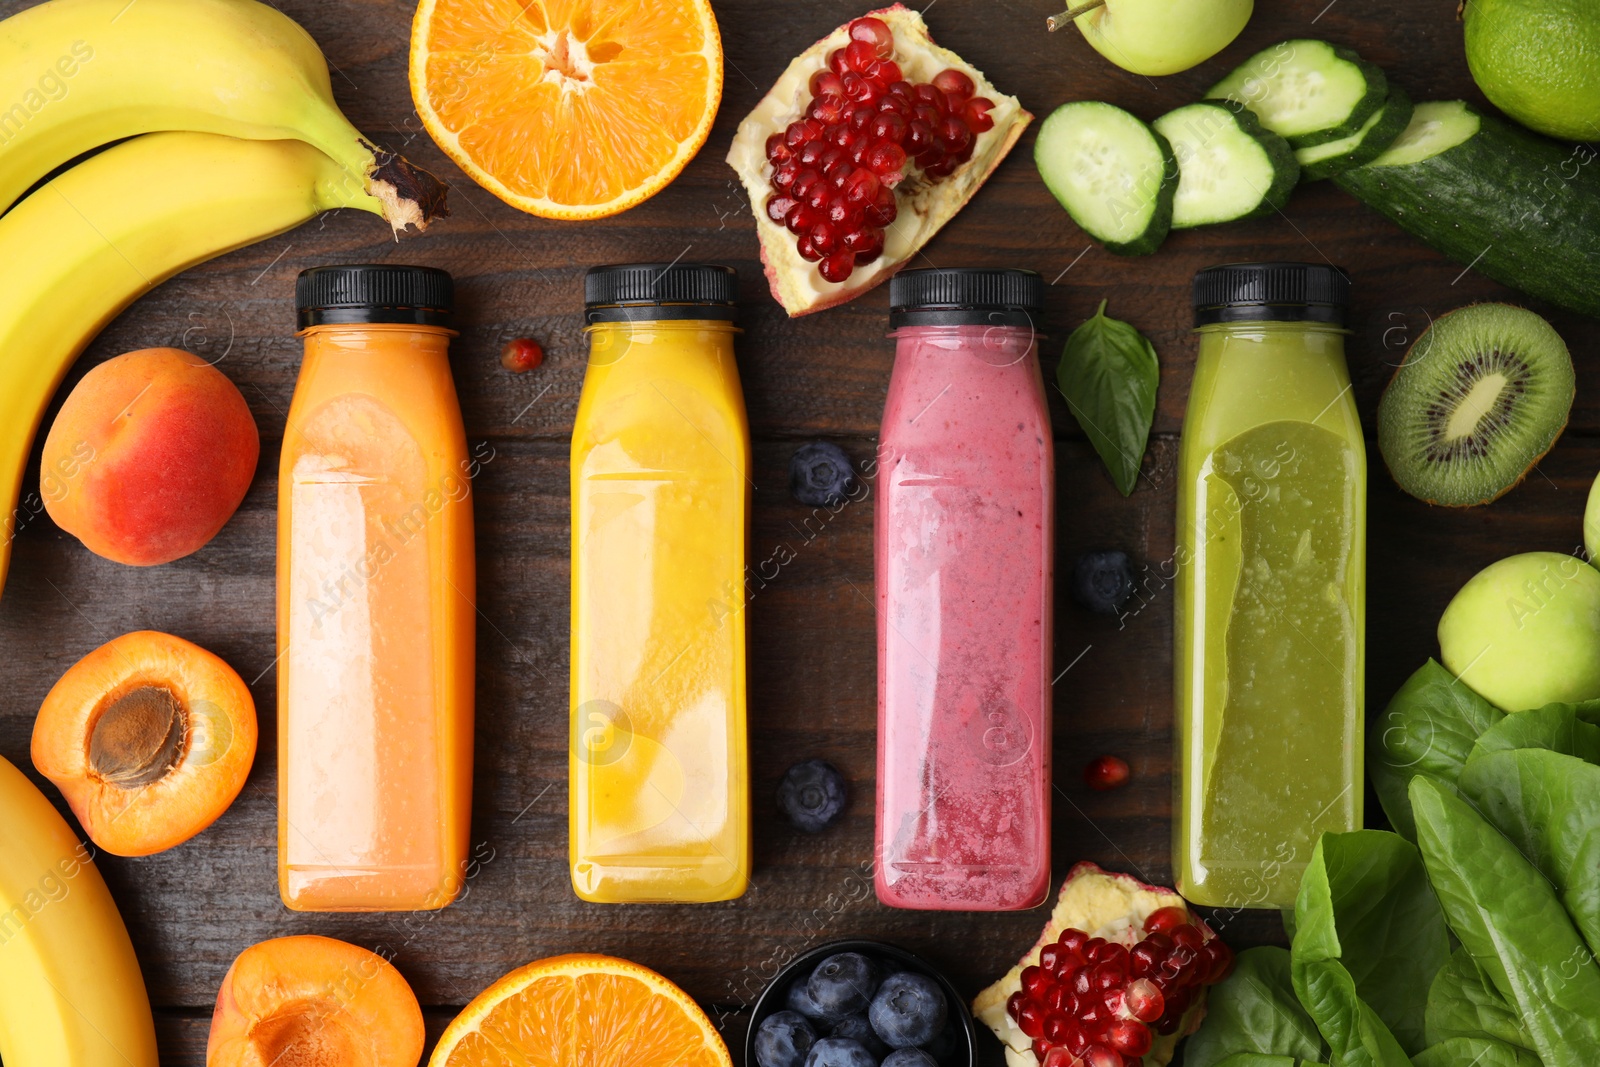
(813, 795)
(908, 1010)
(799, 999)
(820, 474)
(842, 985)
(840, 1052)
(1102, 581)
(858, 1028)
(909, 1057)
(783, 1040)
(943, 1048)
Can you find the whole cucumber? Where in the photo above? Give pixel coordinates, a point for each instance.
(1518, 207)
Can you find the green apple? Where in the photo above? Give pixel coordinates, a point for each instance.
(1525, 632)
(1158, 36)
(1591, 523)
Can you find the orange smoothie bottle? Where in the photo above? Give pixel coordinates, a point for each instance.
(375, 600)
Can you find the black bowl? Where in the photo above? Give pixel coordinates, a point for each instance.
(773, 999)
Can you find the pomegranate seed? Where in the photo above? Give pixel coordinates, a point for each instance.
(1144, 959)
(1014, 1003)
(1159, 943)
(919, 136)
(811, 153)
(885, 72)
(884, 210)
(1030, 1020)
(808, 252)
(954, 137)
(874, 32)
(953, 81)
(861, 152)
(778, 207)
(1129, 1037)
(1092, 946)
(1071, 963)
(925, 94)
(1114, 955)
(823, 238)
(521, 354)
(1059, 1057)
(1050, 957)
(843, 137)
(827, 84)
(839, 213)
(796, 133)
(836, 61)
(826, 111)
(798, 220)
(888, 161)
(778, 151)
(887, 126)
(838, 172)
(1179, 1003)
(1081, 983)
(805, 182)
(819, 196)
(1143, 1000)
(863, 258)
(1167, 1026)
(1219, 958)
(784, 174)
(860, 55)
(903, 90)
(1104, 976)
(1091, 1015)
(976, 114)
(861, 118)
(861, 187)
(1163, 919)
(1034, 981)
(1098, 1055)
(929, 114)
(1042, 1049)
(1073, 938)
(1077, 1041)
(1186, 936)
(1060, 998)
(862, 91)
(1055, 1027)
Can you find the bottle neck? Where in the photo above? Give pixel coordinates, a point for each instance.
(611, 341)
(371, 338)
(999, 346)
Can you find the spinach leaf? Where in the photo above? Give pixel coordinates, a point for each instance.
(1462, 1003)
(1428, 728)
(1557, 727)
(1548, 804)
(1109, 374)
(1476, 1052)
(1508, 917)
(1369, 938)
(1254, 1011)
(1258, 1059)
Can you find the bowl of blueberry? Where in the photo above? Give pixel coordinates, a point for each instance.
(860, 1004)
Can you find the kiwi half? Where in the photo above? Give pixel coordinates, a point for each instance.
(1479, 398)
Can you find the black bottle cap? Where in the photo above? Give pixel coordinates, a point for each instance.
(957, 296)
(1271, 292)
(645, 291)
(374, 292)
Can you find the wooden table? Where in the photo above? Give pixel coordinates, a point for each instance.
(812, 654)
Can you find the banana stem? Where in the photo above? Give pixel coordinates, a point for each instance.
(1055, 22)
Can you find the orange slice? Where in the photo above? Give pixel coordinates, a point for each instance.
(581, 1011)
(569, 109)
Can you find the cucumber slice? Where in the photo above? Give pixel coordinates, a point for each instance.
(1308, 92)
(1228, 166)
(1363, 146)
(1113, 174)
(1520, 208)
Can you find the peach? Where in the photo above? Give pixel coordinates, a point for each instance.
(149, 737)
(314, 1002)
(149, 457)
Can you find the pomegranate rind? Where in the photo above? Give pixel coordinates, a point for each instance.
(1104, 904)
(924, 207)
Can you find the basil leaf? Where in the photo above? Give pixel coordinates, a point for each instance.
(1254, 1012)
(1369, 938)
(1109, 374)
(1429, 728)
(1509, 917)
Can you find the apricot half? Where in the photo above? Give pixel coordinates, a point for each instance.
(149, 457)
(313, 1001)
(149, 737)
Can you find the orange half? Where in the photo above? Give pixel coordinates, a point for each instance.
(569, 109)
(581, 1011)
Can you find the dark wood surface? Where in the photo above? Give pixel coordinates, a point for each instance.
(812, 648)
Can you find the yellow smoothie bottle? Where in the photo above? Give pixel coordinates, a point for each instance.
(659, 806)
(1271, 589)
(375, 599)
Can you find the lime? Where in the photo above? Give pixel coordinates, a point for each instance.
(1539, 62)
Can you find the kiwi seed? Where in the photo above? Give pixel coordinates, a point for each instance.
(139, 737)
(1480, 397)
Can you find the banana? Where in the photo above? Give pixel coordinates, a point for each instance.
(81, 248)
(78, 74)
(71, 994)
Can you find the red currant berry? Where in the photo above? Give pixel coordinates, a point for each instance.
(521, 354)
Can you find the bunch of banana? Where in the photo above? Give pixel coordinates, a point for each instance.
(264, 149)
(71, 994)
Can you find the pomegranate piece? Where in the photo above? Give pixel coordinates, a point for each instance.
(1119, 973)
(907, 150)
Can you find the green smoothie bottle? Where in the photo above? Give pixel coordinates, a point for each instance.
(1271, 588)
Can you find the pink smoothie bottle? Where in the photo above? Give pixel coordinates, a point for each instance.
(963, 542)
